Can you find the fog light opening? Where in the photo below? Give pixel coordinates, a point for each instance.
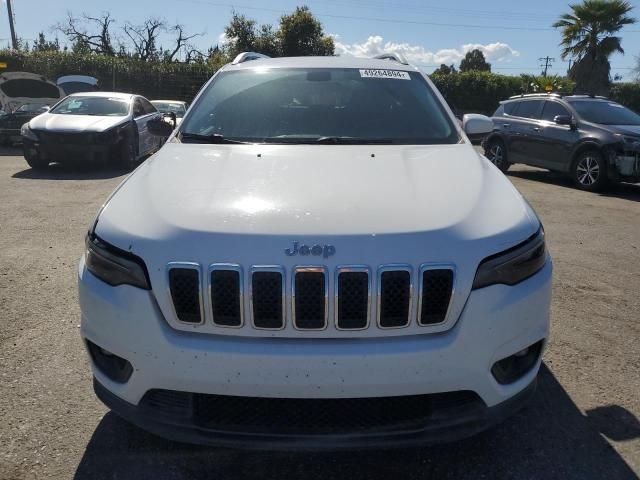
(514, 367)
(114, 367)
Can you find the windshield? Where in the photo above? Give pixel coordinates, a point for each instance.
(169, 107)
(33, 107)
(311, 105)
(101, 106)
(605, 113)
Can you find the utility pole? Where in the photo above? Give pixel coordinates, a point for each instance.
(14, 40)
(547, 63)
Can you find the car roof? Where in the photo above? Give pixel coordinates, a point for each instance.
(123, 96)
(322, 62)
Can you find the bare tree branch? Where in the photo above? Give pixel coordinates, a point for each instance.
(182, 43)
(145, 37)
(98, 42)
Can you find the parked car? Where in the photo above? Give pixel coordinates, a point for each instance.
(317, 258)
(10, 123)
(77, 84)
(22, 88)
(174, 108)
(592, 139)
(92, 127)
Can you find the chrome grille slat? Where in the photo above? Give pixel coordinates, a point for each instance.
(309, 298)
(402, 299)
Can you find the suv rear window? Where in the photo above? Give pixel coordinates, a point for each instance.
(527, 108)
(304, 105)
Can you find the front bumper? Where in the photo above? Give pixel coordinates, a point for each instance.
(62, 153)
(497, 322)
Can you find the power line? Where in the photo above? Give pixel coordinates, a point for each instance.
(382, 19)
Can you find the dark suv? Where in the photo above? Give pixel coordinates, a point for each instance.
(593, 139)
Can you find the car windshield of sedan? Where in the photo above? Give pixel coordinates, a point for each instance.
(332, 105)
(605, 113)
(170, 107)
(33, 108)
(99, 106)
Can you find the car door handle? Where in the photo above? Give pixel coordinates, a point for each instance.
(506, 125)
(536, 129)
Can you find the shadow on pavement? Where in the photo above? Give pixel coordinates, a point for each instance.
(60, 172)
(626, 191)
(10, 151)
(548, 439)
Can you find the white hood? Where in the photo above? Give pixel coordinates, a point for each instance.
(75, 123)
(198, 190)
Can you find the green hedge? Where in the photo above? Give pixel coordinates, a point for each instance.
(478, 92)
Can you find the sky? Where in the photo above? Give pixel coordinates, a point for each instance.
(512, 34)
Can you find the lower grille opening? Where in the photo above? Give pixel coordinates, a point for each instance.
(226, 301)
(267, 304)
(353, 300)
(308, 416)
(395, 298)
(437, 286)
(184, 284)
(310, 301)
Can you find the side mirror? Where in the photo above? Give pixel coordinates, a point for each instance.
(475, 124)
(172, 117)
(159, 127)
(564, 120)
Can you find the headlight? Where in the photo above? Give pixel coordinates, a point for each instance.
(26, 132)
(514, 265)
(115, 266)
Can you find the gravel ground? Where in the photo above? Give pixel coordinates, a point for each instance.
(582, 424)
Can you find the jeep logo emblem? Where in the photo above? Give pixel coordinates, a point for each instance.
(325, 250)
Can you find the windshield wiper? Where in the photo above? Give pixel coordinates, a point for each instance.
(212, 138)
(353, 140)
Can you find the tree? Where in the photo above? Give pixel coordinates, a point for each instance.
(43, 45)
(588, 37)
(145, 38)
(444, 69)
(96, 41)
(301, 34)
(474, 60)
(241, 35)
(182, 43)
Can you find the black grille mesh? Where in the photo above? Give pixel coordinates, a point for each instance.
(305, 416)
(437, 286)
(184, 284)
(353, 300)
(395, 295)
(310, 304)
(225, 297)
(267, 299)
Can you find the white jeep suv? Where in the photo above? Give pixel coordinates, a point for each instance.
(317, 258)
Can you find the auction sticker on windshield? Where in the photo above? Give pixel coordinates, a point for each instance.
(397, 74)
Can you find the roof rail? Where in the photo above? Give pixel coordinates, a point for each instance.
(396, 57)
(541, 94)
(248, 56)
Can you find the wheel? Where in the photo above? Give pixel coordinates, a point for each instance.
(589, 171)
(128, 156)
(35, 161)
(496, 152)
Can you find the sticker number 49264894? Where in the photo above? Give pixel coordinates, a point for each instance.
(393, 74)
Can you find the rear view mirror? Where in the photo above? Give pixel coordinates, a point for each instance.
(475, 124)
(159, 127)
(563, 119)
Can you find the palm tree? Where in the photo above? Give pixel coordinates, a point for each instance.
(588, 37)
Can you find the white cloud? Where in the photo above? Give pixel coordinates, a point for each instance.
(222, 39)
(375, 45)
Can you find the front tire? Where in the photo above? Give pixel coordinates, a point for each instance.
(128, 156)
(589, 171)
(35, 161)
(496, 152)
